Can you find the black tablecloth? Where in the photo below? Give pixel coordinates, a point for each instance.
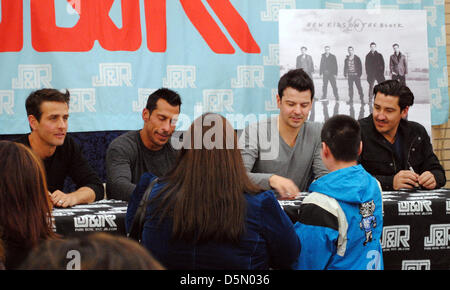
(416, 229)
(101, 216)
(416, 226)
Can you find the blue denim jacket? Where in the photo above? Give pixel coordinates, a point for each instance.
(269, 240)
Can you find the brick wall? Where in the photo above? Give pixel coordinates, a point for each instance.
(441, 133)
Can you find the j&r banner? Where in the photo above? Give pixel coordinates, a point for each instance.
(219, 55)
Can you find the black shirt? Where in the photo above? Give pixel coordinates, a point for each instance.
(68, 160)
(397, 148)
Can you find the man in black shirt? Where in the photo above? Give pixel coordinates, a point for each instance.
(374, 68)
(396, 151)
(48, 114)
(328, 69)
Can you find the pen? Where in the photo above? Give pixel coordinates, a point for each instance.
(412, 170)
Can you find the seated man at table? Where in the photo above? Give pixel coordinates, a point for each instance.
(290, 160)
(340, 222)
(146, 150)
(396, 151)
(48, 114)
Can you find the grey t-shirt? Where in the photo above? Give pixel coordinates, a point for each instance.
(127, 159)
(265, 153)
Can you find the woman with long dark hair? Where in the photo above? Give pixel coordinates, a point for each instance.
(207, 214)
(25, 206)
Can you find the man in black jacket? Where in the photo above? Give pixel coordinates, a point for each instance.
(328, 69)
(48, 114)
(374, 68)
(396, 151)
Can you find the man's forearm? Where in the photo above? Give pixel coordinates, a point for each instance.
(120, 189)
(261, 179)
(84, 195)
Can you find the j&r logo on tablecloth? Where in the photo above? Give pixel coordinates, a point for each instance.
(415, 207)
(87, 223)
(396, 238)
(439, 237)
(416, 265)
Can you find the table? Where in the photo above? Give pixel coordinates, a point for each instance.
(106, 215)
(416, 228)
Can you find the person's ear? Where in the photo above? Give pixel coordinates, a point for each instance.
(278, 101)
(404, 112)
(325, 150)
(33, 122)
(145, 115)
(360, 147)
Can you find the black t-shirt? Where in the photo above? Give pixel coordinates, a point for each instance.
(68, 160)
(397, 148)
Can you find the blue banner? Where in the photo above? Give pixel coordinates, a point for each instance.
(219, 55)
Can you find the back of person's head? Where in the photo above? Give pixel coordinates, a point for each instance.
(25, 206)
(297, 79)
(170, 96)
(342, 134)
(36, 98)
(396, 89)
(205, 192)
(99, 251)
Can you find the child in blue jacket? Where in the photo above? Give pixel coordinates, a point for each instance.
(340, 221)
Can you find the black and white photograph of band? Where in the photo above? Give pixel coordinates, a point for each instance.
(348, 52)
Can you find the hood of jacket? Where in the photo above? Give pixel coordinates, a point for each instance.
(351, 185)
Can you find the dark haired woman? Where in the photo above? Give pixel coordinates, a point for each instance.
(207, 214)
(25, 206)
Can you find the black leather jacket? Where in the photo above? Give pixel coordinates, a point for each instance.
(378, 159)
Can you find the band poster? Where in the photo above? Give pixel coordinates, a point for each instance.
(347, 52)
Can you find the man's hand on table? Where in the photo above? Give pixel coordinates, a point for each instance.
(61, 199)
(410, 179)
(284, 186)
(405, 179)
(427, 180)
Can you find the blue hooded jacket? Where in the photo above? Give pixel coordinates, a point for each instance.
(341, 222)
